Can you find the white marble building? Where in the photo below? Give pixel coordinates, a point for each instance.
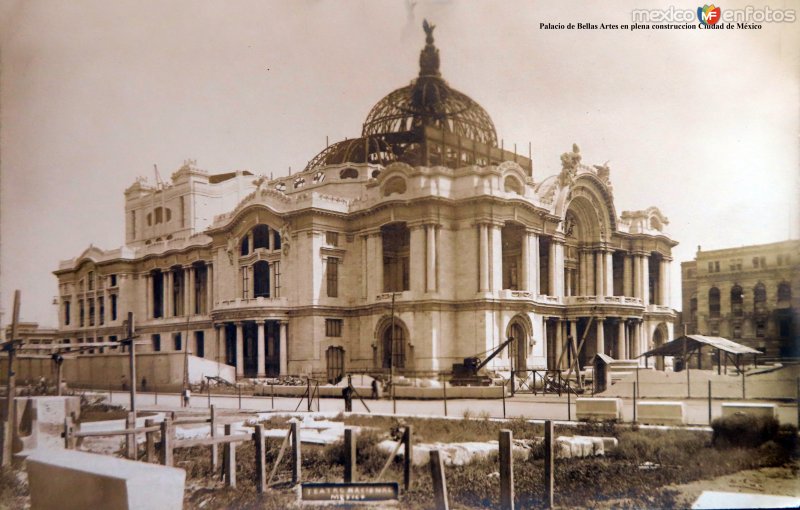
(296, 275)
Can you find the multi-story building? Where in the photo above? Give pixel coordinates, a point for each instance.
(414, 245)
(745, 294)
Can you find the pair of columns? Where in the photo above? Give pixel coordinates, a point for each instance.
(627, 337)
(490, 260)
(596, 269)
(423, 260)
(189, 292)
(260, 344)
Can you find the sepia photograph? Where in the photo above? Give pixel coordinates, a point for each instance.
(420, 254)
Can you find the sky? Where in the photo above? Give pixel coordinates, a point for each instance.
(702, 124)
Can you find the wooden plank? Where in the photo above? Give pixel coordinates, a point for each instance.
(506, 471)
(548, 463)
(214, 446)
(130, 438)
(408, 457)
(208, 441)
(167, 458)
(229, 460)
(296, 453)
(121, 432)
(439, 482)
(150, 442)
(261, 474)
(349, 456)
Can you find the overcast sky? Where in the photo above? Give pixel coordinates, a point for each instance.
(702, 124)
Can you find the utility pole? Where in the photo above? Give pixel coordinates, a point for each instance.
(131, 343)
(8, 427)
(391, 358)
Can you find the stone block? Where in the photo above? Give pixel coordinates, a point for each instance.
(661, 413)
(598, 409)
(69, 479)
(751, 408)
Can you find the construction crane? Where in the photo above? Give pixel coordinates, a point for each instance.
(466, 373)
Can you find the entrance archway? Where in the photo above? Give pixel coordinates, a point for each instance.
(518, 330)
(393, 346)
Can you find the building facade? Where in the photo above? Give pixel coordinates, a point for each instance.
(748, 294)
(417, 244)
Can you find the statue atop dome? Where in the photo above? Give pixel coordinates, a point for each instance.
(429, 56)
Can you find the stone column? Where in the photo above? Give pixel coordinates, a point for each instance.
(377, 241)
(600, 347)
(364, 267)
(552, 269)
(219, 331)
(417, 258)
(148, 290)
(556, 268)
(284, 348)
(260, 364)
(270, 239)
(534, 263)
(559, 341)
(635, 328)
(495, 257)
(272, 280)
(645, 280)
(599, 274)
(209, 288)
(239, 350)
(608, 285)
(483, 243)
(581, 272)
(190, 289)
(568, 283)
(622, 342)
(627, 280)
(525, 266)
(430, 259)
(590, 273)
(167, 286)
(663, 281)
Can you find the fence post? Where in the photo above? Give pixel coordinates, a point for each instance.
(349, 456)
(230, 460)
(261, 471)
(569, 404)
(166, 443)
(504, 400)
(743, 393)
(506, 471)
(272, 393)
(240, 397)
(156, 393)
(439, 482)
(130, 439)
(709, 402)
(408, 457)
(798, 402)
(215, 446)
(444, 392)
(150, 441)
(548, 464)
(208, 391)
(296, 453)
(308, 401)
(634, 400)
(69, 438)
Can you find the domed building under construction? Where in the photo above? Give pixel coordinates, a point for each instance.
(418, 244)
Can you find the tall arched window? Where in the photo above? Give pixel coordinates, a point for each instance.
(394, 355)
(396, 240)
(713, 302)
(737, 300)
(260, 237)
(760, 298)
(784, 293)
(261, 279)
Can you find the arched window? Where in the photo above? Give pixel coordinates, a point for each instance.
(396, 241)
(713, 302)
(784, 292)
(260, 237)
(394, 353)
(299, 182)
(760, 298)
(737, 300)
(245, 247)
(261, 279)
(348, 173)
(318, 177)
(512, 185)
(394, 185)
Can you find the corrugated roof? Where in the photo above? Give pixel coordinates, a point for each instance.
(676, 347)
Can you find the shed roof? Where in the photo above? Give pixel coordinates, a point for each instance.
(676, 347)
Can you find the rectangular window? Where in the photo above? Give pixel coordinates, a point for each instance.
(710, 267)
(755, 261)
(91, 312)
(156, 338)
(101, 305)
(761, 329)
(277, 266)
(333, 327)
(112, 280)
(332, 238)
(199, 344)
(737, 332)
(113, 307)
(245, 281)
(176, 341)
(716, 266)
(67, 312)
(81, 313)
(333, 277)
